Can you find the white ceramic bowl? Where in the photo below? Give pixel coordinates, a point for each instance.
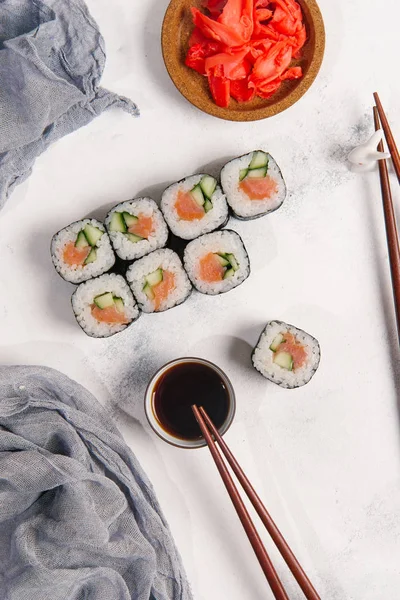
(152, 416)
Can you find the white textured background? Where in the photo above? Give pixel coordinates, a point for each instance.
(325, 457)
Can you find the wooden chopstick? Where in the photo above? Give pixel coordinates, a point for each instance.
(207, 426)
(255, 540)
(280, 542)
(389, 136)
(391, 227)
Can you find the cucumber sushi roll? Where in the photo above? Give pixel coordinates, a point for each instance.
(158, 281)
(104, 306)
(253, 185)
(217, 262)
(136, 228)
(82, 251)
(286, 355)
(194, 206)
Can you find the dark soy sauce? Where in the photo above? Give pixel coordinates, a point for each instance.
(182, 386)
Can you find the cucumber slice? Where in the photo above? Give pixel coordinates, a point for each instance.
(91, 257)
(149, 292)
(198, 195)
(243, 174)
(276, 342)
(208, 185)
(284, 360)
(208, 205)
(117, 223)
(257, 172)
(233, 261)
(229, 273)
(129, 219)
(222, 260)
(119, 304)
(155, 277)
(81, 241)
(132, 237)
(260, 159)
(93, 234)
(104, 300)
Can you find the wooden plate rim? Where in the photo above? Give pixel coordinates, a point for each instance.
(256, 113)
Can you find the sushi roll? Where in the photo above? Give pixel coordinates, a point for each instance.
(253, 185)
(286, 355)
(104, 306)
(136, 228)
(217, 262)
(82, 251)
(158, 281)
(194, 206)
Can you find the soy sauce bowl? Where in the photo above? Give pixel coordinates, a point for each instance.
(178, 372)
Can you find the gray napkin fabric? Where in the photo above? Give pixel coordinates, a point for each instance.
(78, 517)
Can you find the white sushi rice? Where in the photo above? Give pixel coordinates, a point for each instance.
(166, 260)
(128, 250)
(225, 242)
(242, 206)
(188, 230)
(77, 274)
(263, 357)
(82, 301)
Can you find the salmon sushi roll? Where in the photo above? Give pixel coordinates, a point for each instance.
(104, 306)
(286, 355)
(82, 251)
(136, 228)
(217, 262)
(253, 185)
(194, 206)
(158, 281)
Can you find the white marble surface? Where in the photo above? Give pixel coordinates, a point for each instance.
(326, 457)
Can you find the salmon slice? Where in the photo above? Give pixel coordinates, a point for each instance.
(295, 349)
(110, 315)
(187, 207)
(143, 228)
(211, 269)
(259, 188)
(162, 290)
(74, 256)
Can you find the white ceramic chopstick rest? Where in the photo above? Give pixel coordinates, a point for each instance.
(364, 157)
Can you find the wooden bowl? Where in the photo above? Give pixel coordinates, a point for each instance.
(176, 30)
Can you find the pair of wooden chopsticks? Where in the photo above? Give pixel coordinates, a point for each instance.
(212, 436)
(390, 219)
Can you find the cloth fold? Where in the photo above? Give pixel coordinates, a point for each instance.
(51, 60)
(78, 516)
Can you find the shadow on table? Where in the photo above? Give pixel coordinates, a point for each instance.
(153, 191)
(214, 167)
(382, 273)
(131, 378)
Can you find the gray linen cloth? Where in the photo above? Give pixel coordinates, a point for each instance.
(78, 518)
(51, 60)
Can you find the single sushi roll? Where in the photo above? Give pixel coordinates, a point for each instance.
(158, 281)
(194, 206)
(136, 228)
(82, 251)
(253, 185)
(104, 306)
(286, 355)
(217, 262)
